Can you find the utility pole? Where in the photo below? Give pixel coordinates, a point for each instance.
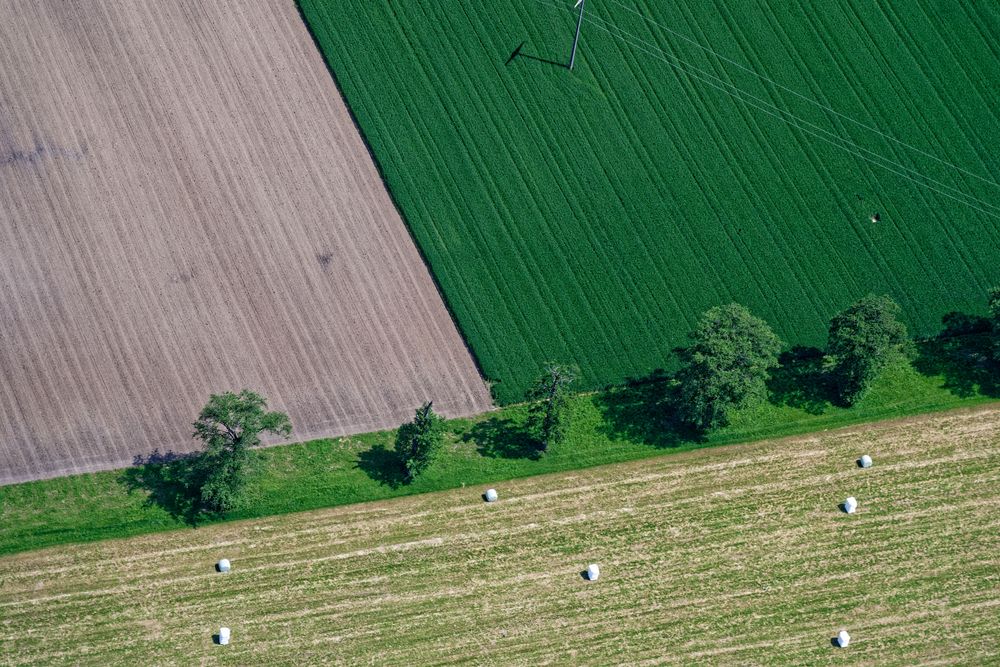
(579, 22)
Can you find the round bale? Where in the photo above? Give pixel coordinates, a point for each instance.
(850, 505)
(865, 461)
(593, 572)
(491, 495)
(223, 565)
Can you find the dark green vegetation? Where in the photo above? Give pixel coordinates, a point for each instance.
(419, 441)
(623, 424)
(995, 323)
(589, 217)
(725, 367)
(548, 420)
(229, 425)
(864, 339)
(213, 480)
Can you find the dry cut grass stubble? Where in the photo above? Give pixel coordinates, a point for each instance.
(736, 554)
(186, 207)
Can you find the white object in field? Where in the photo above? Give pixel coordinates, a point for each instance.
(224, 565)
(866, 461)
(223, 636)
(850, 505)
(843, 639)
(490, 495)
(593, 572)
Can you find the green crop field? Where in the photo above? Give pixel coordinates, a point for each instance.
(700, 152)
(730, 555)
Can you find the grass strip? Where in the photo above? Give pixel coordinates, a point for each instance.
(607, 427)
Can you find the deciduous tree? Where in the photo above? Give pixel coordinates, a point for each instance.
(229, 425)
(548, 419)
(995, 316)
(863, 340)
(725, 367)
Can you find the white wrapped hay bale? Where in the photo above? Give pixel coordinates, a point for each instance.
(491, 495)
(865, 461)
(593, 572)
(223, 565)
(843, 639)
(850, 505)
(223, 636)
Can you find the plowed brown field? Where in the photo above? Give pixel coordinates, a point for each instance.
(186, 207)
(734, 555)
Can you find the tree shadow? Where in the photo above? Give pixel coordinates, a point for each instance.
(641, 411)
(167, 478)
(963, 355)
(383, 465)
(503, 438)
(800, 381)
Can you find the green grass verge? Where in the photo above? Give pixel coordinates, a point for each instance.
(607, 427)
(589, 217)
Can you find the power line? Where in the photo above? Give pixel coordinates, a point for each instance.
(579, 23)
(798, 124)
(822, 138)
(801, 96)
(742, 93)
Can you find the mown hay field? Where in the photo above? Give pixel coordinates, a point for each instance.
(737, 554)
(589, 217)
(185, 208)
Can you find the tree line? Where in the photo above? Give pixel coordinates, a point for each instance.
(724, 368)
(728, 363)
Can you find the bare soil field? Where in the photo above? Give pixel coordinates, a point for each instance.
(186, 207)
(734, 555)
